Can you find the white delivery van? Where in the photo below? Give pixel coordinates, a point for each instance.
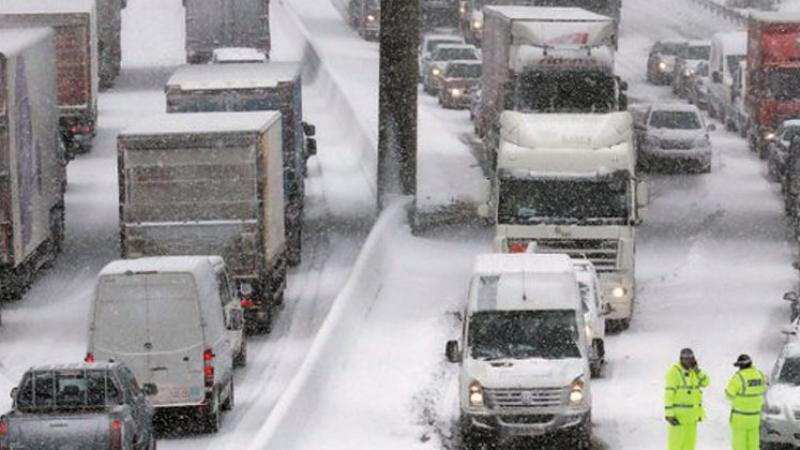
(163, 318)
(524, 363)
(595, 310)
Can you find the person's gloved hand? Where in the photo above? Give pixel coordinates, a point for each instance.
(672, 421)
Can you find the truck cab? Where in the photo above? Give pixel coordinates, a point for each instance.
(523, 353)
(567, 183)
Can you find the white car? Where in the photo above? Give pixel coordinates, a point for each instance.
(595, 310)
(674, 135)
(428, 45)
(524, 364)
(779, 426)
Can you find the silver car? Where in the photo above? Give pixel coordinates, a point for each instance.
(676, 136)
(779, 426)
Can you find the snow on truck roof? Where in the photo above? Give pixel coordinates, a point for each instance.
(197, 265)
(210, 122)
(14, 40)
(46, 6)
(499, 263)
(100, 365)
(775, 17)
(233, 76)
(548, 14)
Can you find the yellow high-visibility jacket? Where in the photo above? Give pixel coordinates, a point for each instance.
(746, 391)
(683, 394)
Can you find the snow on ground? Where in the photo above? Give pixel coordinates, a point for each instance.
(49, 324)
(714, 258)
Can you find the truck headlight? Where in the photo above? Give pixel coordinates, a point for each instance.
(436, 71)
(662, 66)
(619, 292)
(456, 92)
(476, 394)
(477, 24)
(576, 396)
(370, 18)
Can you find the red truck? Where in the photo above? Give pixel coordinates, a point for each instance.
(773, 75)
(76, 60)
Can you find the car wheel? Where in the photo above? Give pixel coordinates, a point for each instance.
(213, 418)
(231, 400)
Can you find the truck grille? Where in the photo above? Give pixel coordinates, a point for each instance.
(601, 252)
(525, 398)
(528, 419)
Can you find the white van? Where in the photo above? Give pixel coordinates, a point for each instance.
(595, 310)
(524, 363)
(727, 50)
(164, 318)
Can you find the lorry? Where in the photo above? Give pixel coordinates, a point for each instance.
(76, 406)
(209, 184)
(109, 29)
(524, 368)
(32, 158)
(472, 15)
(164, 318)
(76, 60)
(546, 60)
(773, 75)
(255, 87)
(225, 23)
(566, 183)
(436, 15)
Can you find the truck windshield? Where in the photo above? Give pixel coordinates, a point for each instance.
(699, 52)
(784, 84)
(790, 372)
(561, 201)
(670, 48)
(463, 71)
(566, 91)
(549, 334)
(67, 389)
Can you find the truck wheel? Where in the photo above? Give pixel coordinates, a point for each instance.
(240, 360)
(153, 443)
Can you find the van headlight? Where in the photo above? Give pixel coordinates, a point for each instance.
(619, 292)
(370, 18)
(476, 394)
(662, 66)
(576, 396)
(436, 71)
(456, 92)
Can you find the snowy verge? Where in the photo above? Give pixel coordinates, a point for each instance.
(288, 419)
(333, 85)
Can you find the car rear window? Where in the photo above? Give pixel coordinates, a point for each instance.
(67, 389)
(675, 120)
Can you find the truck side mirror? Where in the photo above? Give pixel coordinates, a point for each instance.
(309, 130)
(791, 296)
(716, 77)
(311, 147)
(452, 353)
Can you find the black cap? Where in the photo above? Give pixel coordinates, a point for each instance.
(743, 361)
(687, 353)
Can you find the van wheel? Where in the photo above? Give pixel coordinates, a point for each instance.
(213, 418)
(152, 444)
(231, 400)
(240, 360)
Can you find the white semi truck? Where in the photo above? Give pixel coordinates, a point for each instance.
(566, 183)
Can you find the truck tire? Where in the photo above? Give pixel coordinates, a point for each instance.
(231, 400)
(295, 252)
(240, 360)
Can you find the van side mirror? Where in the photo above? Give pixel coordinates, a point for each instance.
(150, 389)
(452, 352)
(716, 77)
(791, 296)
(236, 320)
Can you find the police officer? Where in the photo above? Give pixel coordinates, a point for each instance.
(683, 401)
(746, 392)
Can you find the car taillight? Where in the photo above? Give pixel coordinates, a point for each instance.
(208, 368)
(89, 358)
(75, 129)
(115, 435)
(87, 129)
(247, 303)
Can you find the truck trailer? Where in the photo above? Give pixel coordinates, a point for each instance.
(566, 183)
(76, 60)
(255, 87)
(212, 24)
(773, 75)
(32, 159)
(209, 184)
(554, 60)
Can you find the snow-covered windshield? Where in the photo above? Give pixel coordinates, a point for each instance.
(784, 84)
(451, 54)
(696, 52)
(561, 201)
(565, 91)
(66, 389)
(550, 334)
(790, 372)
(463, 71)
(675, 120)
(668, 48)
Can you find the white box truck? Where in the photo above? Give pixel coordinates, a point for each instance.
(76, 59)
(32, 159)
(209, 184)
(566, 183)
(212, 24)
(523, 353)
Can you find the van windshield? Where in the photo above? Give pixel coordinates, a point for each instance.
(136, 309)
(550, 334)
